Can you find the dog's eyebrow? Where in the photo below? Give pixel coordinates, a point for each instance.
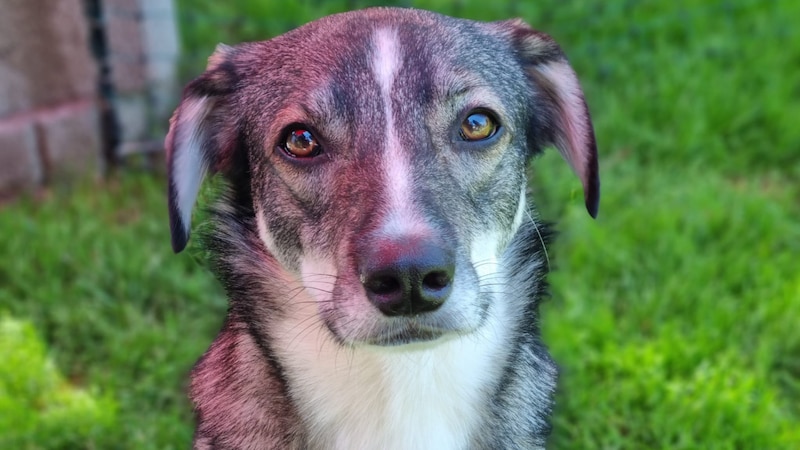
(464, 92)
(463, 85)
(456, 92)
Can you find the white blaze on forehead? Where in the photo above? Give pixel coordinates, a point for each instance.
(402, 218)
(385, 59)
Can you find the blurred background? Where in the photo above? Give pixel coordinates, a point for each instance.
(674, 317)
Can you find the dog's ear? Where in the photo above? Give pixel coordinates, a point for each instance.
(200, 139)
(566, 120)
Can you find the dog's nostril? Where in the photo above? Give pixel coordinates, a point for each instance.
(383, 284)
(436, 280)
(407, 277)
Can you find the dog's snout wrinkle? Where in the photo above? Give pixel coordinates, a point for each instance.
(407, 278)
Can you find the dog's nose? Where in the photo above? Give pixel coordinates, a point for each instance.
(407, 277)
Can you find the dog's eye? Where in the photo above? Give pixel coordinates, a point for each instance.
(300, 143)
(478, 126)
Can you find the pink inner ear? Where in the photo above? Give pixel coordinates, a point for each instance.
(573, 135)
(572, 128)
(188, 165)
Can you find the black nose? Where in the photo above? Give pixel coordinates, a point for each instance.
(407, 277)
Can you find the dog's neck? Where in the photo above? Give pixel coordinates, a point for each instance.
(415, 396)
(447, 394)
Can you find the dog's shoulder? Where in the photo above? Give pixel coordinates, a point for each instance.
(239, 395)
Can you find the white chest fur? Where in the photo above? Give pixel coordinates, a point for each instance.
(420, 396)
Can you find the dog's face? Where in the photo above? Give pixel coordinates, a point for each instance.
(385, 151)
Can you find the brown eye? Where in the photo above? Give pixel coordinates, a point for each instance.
(478, 126)
(300, 143)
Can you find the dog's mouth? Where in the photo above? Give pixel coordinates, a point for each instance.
(426, 329)
(410, 333)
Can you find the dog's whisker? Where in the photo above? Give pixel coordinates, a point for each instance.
(488, 284)
(346, 348)
(318, 289)
(500, 265)
(541, 238)
(310, 323)
(319, 278)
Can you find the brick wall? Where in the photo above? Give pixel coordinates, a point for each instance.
(48, 84)
(53, 103)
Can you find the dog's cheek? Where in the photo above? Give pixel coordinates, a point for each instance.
(318, 276)
(520, 214)
(501, 207)
(483, 254)
(279, 221)
(504, 209)
(488, 246)
(280, 238)
(288, 209)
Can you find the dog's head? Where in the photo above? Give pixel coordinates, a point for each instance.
(385, 151)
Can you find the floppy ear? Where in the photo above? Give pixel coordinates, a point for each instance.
(567, 123)
(200, 140)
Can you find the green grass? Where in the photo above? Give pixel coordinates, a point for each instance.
(38, 408)
(674, 315)
(121, 315)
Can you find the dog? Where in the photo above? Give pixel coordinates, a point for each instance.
(375, 241)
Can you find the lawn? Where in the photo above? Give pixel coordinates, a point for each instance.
(674, 316)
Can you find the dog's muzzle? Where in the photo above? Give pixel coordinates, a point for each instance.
(407, 277)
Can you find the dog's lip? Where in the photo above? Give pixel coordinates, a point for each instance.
(409, 333)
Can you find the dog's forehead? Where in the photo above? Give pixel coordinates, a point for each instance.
(420, 31)
(345, 55)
